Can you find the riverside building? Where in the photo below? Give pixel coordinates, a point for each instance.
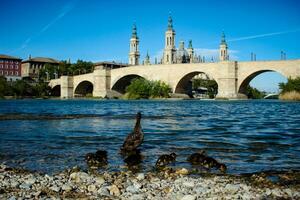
(10, 67)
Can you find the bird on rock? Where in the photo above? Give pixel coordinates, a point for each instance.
(135, 138)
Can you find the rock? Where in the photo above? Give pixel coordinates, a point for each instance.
(188, 184)
(188, 197)
(92, 188)
(182, 171)
(132, 189)
(30, 181)
(114, 190)
(12, 198)
(140, 176)
(99, 181)
(14, 183)
(276, 192)
(289, 192)
(79, 177)
(268, 191)
(103, 191)
(55, 188)
(66, 187)
(25, 186)
(232, 188)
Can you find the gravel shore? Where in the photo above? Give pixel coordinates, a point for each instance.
(168, 184)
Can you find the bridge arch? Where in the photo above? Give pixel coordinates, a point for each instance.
(184, 84)
(121, 83)
(242, 87)
(55, 91)
(83, 88)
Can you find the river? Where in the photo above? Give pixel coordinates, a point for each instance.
(248, 136)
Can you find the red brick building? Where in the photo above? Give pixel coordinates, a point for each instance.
(10, 67)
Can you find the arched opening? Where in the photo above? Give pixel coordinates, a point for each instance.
(261, 84)
(197, 85)
(55, 91)
(85, 88)
(122, 83)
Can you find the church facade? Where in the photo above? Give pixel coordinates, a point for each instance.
(171, 54)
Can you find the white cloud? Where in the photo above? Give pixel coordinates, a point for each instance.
(65, 9)
(263, 35)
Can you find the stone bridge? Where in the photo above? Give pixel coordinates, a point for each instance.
(232, 77)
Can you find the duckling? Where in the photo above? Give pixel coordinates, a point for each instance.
(165, 159)
(196, 158)
(96, 159)
(206, 161)
(134, 158)
(135, 138)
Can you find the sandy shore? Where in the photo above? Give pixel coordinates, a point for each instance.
(167, 184)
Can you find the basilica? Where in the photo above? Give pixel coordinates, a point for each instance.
(171, 54)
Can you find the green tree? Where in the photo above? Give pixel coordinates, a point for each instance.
(211, 85)
(291, 85)
(3, 86)
(143, 89)
(253, 93)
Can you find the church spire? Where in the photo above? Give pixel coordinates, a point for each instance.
(134, 32)
(223, 40)
(170, 22)
(190, 44)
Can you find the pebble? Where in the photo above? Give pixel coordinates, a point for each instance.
(232, 188)
(182, 171)
(55, 188)
(25, 186)
(132, 189)
(79, 177)
(66, 187)
(99, 181)
(114, 190)
(188, 197)
(140, 176)
(188, 184)
(126, 185)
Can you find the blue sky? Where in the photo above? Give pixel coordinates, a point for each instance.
(97, 30)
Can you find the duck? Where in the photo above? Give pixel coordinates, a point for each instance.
(201, 159)
(96, 159)
(135, 138)
(165, 160)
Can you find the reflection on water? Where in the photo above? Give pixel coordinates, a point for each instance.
(248, 136)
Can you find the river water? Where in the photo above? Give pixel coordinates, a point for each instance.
(248, 136)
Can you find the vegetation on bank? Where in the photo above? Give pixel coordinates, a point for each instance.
(210, 85)
(65, 68)
(290, 90)
(23, 88)
(144, 89)
(254, 93)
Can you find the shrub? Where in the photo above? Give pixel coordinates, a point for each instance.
(144, 89)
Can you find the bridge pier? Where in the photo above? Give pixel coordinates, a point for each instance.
(101, 82)
(227, 84)
(66, 87)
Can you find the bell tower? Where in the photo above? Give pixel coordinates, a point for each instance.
(190, 50)
(134, 53)
(170, 50)
(223, 56)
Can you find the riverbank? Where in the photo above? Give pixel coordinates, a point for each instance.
(168, 184)
(290, 96)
